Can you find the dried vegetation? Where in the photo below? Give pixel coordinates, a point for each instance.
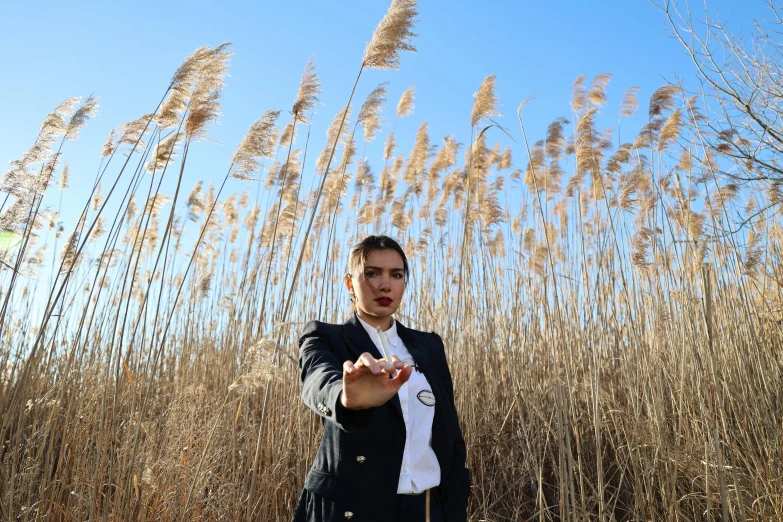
(615, 342)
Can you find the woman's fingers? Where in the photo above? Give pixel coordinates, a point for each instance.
(368, 361)
(398, 364)
(370, 382)
(376, 366)
(386, 366)
(403, 375)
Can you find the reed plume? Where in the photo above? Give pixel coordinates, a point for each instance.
(399, 217)
(97, 197)
(641, 247)
(662, 100)
(597, 94)
(204, 283)
(307, 97)
(670, 130)
(536, 173)
(256, 369)
(388, 148)
(490, 212)
(194, 197)
(181, 85)
(485, 104)
(98, 231)
(186, 74)
(257, 144)
(229, 210)
(405, 105)
(349, 151)
(370, 113)
(578, 94)
(108, 147)
(55, 124)
(289, 178)
(445, 158)
(333, 136)
(155, 204)
(587, 153)
(14, 215)
(391, 36)
(555, 139)
(204, 107)
(80, 117)
(630, 102)
(68, 255)
(417, 162)
(754, 253)
(17, 180)
(505, 159)
(132, 133)
(287, 136)
(131, 209)
(164, 152)
(43, 179)
(65, 177)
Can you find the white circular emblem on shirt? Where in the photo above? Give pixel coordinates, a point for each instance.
(426, 397)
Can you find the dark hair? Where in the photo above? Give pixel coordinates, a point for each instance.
(361, 250)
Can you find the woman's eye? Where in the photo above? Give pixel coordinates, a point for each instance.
(372, 273)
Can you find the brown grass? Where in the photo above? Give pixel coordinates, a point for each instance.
(616, 348)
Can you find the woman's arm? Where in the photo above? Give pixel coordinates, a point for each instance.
(454, 487)
(344, 393)
(322, 380)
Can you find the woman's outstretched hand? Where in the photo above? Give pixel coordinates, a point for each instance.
(366, 382)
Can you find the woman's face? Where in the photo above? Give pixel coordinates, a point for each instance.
(379, 288)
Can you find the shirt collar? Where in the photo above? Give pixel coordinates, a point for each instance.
(391, 333)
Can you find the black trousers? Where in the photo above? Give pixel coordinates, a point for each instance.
(411, 508)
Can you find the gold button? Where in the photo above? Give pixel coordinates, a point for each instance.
(361, 459)
(327, 411)
(349, 515)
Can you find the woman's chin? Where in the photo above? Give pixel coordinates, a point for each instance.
(379, 311)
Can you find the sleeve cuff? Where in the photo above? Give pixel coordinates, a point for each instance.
(331, 408)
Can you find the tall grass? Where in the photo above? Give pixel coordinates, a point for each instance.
(615, 342)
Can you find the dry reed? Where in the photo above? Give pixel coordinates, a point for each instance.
(608, 365)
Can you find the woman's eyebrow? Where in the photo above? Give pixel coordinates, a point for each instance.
(380, 268)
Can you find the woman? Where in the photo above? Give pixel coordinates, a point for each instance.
(392, 449)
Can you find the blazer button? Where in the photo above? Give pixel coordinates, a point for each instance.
(361, 459)
(349, 515)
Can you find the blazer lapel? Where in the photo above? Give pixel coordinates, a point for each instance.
(358, 339)
(417, 348)
(418, 344)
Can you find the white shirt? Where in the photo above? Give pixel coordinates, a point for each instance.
(420, 470)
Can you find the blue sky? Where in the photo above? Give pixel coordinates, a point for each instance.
(126, 53)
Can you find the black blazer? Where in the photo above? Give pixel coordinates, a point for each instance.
(357, 467)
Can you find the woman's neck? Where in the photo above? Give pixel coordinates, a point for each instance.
(384, 322)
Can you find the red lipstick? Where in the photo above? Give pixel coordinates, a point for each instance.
(384, 301)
